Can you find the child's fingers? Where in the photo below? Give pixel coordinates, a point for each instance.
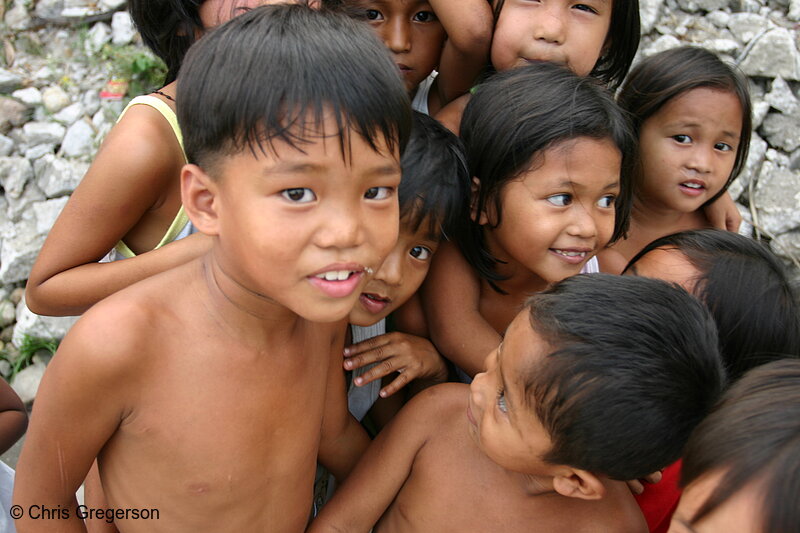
(384, 368)
(378, 353)
(397, 383)
(635, 485)
(367, 345)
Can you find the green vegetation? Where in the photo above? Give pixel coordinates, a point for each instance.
(143, 71)
(30, 346)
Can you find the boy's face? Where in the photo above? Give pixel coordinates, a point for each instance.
(667, 264)
(399, 277)
(215, 12)
(411, 32)
(506, 428)
(303, 229)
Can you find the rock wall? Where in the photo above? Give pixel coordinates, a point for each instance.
(52, 118)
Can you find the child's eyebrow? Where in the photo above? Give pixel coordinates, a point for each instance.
(568, 184)
(688, 124)
(289, 167)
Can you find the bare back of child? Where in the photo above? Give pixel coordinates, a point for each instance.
(529, 445)
(214, 375)
(691, 114)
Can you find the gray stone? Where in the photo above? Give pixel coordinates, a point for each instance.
(49, 9)
(99, 35)
(29, 96)
(6, 146)
(787, 245)
(12, 114)
(8, 313)
(648, 12)
(782, 131)
(745, 26)
(777, 157)
(35, 152)
(760, 110)
(9, 81)
(18, 208)
(26, 382)
(110, 5)
(45, 327)
(746, 227)
(17, 18)
(58, 176)
(794, 10)
(727, 47)
(17, 295)
(79, 140)
(122, 29)
(781, 97)
(47, 212)
(19, 252)
(15, 173)
(773, 54)
(55, 99)
(777, 199)
(43, 132)
(76, 12)
(5, 368)
(91, 101)
(665, 42)
(70, 114)
(720, 19)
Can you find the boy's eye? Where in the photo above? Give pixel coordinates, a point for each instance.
(425, 16)
(372, 14)
(423, 253)
(723, 147)
(584, 7)
(560, 200)
(378, 193)
(682, 139)
(606, 201)
(501, 401)
(300, 195)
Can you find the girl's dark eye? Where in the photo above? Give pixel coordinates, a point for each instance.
(560, 200)
(378, 193)
(423, 253)
(425, 16)
(372, 14)
(606, 201)
(682, 139)
(501, 401)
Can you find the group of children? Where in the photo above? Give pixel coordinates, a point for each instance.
(279, 253)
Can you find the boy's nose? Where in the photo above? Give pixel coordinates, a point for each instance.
(343, 229)
(548, 25)
(397, 36)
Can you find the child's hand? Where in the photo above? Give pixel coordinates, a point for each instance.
(723, 214)
(410, 356)
(637, 485)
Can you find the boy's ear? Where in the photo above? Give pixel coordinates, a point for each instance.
(481, 218)
(199, 198)
(581, 484)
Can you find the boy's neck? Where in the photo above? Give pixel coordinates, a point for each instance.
(649, 216)
(251, 316)
(535, 485)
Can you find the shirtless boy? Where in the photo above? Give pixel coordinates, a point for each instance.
(600, 378)
(206, 392)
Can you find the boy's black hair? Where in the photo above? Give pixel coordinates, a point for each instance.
(624, 33)
(753, 436)
(663, 76)
(748, 291)
(512, 119)
(168, 28)
(634, 369)
(276, 72)
(435, 182)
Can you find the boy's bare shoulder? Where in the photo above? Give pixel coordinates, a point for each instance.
(450, 115)
(435, 405)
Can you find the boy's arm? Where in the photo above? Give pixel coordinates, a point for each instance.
(139, 162)
(69, 425)
(468, 24)
(451, 298)
(13, 416)
(343, 439)
(375, 482)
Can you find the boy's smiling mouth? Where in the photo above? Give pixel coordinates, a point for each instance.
(339, 281)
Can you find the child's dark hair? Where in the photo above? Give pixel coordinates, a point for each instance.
(435, 182)
(634, 368)
(512, 119)
(276, 72)
(748, 291)
(624, 33)
(753, 436)
(168, 28)
(663, 76)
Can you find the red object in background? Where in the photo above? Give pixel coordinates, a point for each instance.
(659, 500)
(114, 90)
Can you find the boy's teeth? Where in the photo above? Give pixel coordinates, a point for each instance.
(693, 185)
(335, 275)
(571, 254)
